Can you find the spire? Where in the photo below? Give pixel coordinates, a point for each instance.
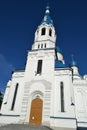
(73, 62)
(45, 32)
(47, 19)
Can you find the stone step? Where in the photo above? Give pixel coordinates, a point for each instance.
(23, 127)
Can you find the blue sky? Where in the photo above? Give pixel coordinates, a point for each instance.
(19, 20)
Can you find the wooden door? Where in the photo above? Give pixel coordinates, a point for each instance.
(36, 111)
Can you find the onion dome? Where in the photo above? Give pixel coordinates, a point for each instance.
(47, 19)
(73, 62)
(59, 50)
(59, 64)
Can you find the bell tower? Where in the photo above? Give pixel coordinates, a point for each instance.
(45, 36)
(39, 71)
(41, 58)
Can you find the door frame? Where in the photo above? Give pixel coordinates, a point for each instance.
(32, 110)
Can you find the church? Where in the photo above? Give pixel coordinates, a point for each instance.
(47, 92)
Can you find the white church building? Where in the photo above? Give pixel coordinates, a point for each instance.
(47, 92)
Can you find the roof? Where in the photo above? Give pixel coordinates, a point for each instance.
(59, 64)
(18, 71)
(59, 50)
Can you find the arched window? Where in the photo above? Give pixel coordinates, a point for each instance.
(50, 32)
(43, 31)
(14, 98)
(62, 96)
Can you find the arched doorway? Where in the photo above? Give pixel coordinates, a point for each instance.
(36, 111)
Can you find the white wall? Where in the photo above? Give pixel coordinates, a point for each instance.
(17, 77)
(80, 93)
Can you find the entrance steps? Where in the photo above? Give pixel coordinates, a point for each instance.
(23, 127)
(31, 127)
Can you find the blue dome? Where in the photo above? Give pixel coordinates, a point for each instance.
(59, 64)
(59, 50)
(73, 63)
(47, 19)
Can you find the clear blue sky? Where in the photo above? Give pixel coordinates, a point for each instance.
(19, 20)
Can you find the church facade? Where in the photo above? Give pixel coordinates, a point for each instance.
(47, 92)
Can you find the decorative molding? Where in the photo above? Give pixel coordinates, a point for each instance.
(9, 115)
(63, 118)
